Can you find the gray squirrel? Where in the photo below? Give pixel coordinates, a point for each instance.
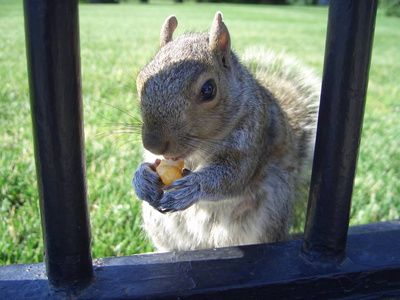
(247, 140)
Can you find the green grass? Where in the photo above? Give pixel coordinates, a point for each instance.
(116, 41)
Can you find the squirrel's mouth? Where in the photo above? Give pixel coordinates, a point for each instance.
(182, 156)
(174, 158)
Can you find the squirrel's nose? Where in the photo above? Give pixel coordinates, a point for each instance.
(155, 143)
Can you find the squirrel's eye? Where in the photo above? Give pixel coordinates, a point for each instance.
(208, 90)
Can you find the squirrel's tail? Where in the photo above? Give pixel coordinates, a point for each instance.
(284, 74)
(297, 89)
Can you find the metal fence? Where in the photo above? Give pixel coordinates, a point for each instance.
(327, 263)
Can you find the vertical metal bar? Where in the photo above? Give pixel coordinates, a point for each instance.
(52, 41)
(347, 59)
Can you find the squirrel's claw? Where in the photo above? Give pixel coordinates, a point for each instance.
(176, 201)
(178, 184)
(164, 210)
(187, 181)
(147, 184)
(182, 194)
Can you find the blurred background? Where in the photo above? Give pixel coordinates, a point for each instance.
(117, 39)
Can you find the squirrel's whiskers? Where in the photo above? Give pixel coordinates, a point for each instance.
(132, 129)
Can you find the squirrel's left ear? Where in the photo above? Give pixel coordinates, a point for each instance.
(167, 30)
(220, 40)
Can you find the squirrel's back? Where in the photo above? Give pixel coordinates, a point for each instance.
(297, 89)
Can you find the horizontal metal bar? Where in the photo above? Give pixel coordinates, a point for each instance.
(52, 41)
(347, 59)
(371, 269)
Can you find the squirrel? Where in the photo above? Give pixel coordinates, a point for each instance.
(247, 140)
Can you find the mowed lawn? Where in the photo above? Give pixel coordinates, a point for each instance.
(116, 41)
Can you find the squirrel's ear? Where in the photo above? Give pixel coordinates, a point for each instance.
(220, 40)
(167, 30)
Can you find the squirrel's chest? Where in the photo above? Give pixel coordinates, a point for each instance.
(202, 226)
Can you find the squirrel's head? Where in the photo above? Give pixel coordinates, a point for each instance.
(183, 90)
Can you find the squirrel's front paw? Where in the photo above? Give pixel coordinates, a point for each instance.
(147, 184)
(182, 194)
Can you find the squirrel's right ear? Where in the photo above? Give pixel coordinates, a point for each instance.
(220, 40)
(167, 30)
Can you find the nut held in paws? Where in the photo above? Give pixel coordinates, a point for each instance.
(170, 170)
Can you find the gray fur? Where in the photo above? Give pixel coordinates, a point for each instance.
(248, 150)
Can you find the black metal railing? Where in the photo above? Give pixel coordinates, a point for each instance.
(344, 89)
(321, 265)
(52, 42)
